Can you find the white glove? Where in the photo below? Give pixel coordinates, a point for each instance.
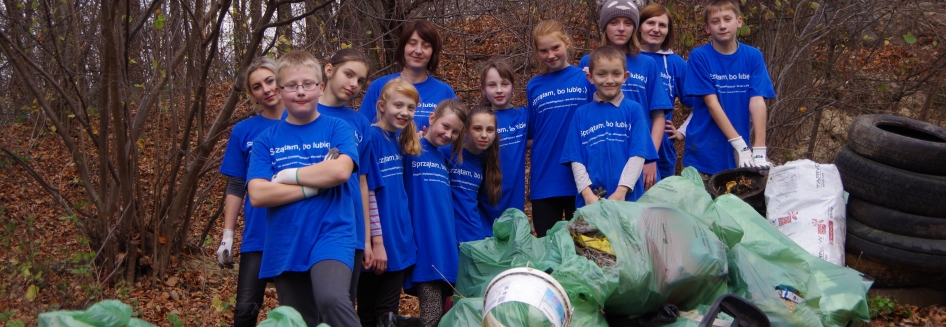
(745, 154)
(287, 176)
(759, 158)
(225, 251)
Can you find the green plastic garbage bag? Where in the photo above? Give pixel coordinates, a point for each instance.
(284, 316)
(511, 246)
(469, 312)
(663, 255)
(465, 312)
(107, 313)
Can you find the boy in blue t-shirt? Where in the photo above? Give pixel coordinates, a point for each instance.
(310, 241)
(609, 139)
(732, 81)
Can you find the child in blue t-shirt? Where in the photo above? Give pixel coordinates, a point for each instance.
(427, 183)
(310, 221)
(477, 176)
(260, 81)
(393, 136)
(618, 23)
(553, 97)
(733, 82)
(418, 53)
(497, 81)
(345, 74)
(609, 139)
(657, 36)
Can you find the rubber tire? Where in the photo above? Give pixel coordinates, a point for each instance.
(918, 245)
(896, 222)
(900, 142)
(891, 187)
(890, 275)
(857, 245)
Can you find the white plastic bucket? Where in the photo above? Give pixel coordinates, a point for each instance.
(532, 287)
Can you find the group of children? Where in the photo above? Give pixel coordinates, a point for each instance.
(348, 208)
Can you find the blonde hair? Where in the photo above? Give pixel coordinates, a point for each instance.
(257, 64)
(457, 108)
(408, 141)
(716, 6)
(555, 29)
(297, 59)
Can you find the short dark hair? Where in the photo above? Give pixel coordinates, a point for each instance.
(606, 53)
(427, 32)
(655, 10)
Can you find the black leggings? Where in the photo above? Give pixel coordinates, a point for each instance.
(320, 294)
(250, 290)
(356, 275)
(378, 295)
(546, 212)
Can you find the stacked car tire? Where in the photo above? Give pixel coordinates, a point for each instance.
(895, 171)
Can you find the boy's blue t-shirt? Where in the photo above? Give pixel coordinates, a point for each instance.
(322, 227)
(511, 132)
(387, 181)
(236, 161)
(432, 92)
(427, 183)
(643, 86)
(733, 78)
(360, 124)
(603, 137)
(672, 68)
(465, 181)
(553, 98)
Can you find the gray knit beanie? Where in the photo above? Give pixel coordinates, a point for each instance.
(619, 8)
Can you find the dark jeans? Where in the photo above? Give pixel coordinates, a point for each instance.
(250, 290)
(378, 295)
(546, 212)
(320, 294)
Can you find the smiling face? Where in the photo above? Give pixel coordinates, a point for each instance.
(553, 52)
(300, 103)
(345, 81)
(608, 76)
(654, 31)
(417, 53)
(444, 130)
(481, 133)
(396, 112)
(263, 88)
(497, 90)
(619, 31)
(722, 26)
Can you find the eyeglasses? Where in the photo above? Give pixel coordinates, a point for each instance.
(308, 86)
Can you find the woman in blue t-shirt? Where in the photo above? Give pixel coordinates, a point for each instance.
(392, 136)
(619, 24)
(657, 36)
(260, 81)
(418, 53)
(553, 97)
(497, 81)
(477, 176)
(427, 183)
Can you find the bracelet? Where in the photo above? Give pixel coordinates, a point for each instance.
(303, 192)
(297, 178)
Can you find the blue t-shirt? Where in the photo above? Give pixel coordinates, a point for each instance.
(465, 181)
(432, 92)
(322, 227)
(387, 181)
(734, 78)
(427, 183)
(236, 161)
(643, 86)
(672, 67)
(603, 137)
(360, 124)
(553, 98)
(511, 133)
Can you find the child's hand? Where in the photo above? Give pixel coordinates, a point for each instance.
(380, 255)
(619, 195)
(675, 135)
(287, 176)
(422, 132)
(225, 251)
(759, 157)
(367, 260)
(589, 199)
(650, 175)
(745, 154)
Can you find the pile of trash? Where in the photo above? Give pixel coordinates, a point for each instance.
(676, 248)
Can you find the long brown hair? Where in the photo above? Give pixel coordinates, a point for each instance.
(492, 174)
(408, 141)
(346, 55)
(460, 110)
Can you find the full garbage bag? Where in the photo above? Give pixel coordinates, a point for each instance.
(284, 316)
(107, 313)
